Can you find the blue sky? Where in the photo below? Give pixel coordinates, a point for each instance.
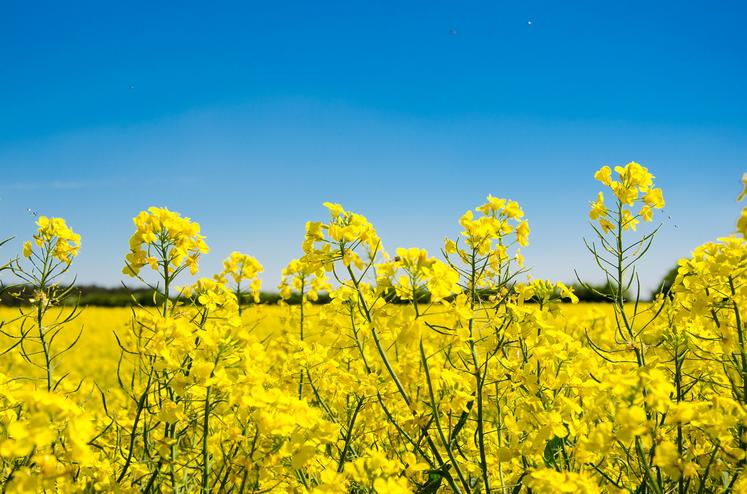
(246, 116)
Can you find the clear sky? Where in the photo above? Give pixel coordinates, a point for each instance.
(246, 116)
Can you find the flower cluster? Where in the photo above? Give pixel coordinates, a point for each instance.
(58, 239)
(242, 268)
(306, 279)
(499, 218)
(493, 234)
(419, 271)
(33, 426)
(340, 238)
(634, 184)
(163, 236)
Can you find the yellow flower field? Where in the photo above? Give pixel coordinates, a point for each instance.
(97, 347)
(450, 373)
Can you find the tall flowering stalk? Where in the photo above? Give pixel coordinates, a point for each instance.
(240, 269)
(617, 254)
(307, 280)
(45, 430)
(348, 242)
(168, 244)
(46, 259)
(486, 266)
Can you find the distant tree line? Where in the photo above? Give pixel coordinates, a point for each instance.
(122, 296)
(95, 295)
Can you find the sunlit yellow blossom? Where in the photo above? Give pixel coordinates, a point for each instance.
(242, 268)
(633, 180)
(598, 209)
(306, 277)
(513, 210)
(159, 232)
(629, 222)
(654, 198)
(604, 175)
(631, 422)
(53, 235)
(646, 213)
(552, 482)
(522, 233)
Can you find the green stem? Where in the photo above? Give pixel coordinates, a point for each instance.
(377, 341)
(138, 412)
(743, 359)
(205, 431)
(40, 312)
(301, 335)
(434, 409)
(349, 436)
(478, 381)
(42, 339)
(648, 475)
